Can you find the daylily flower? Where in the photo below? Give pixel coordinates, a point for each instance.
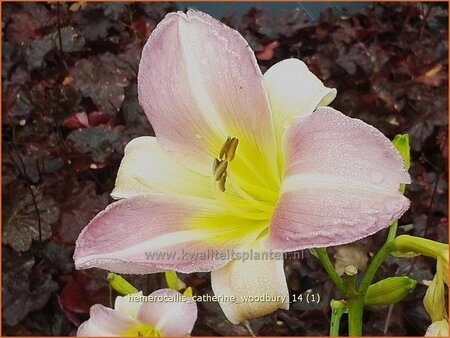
(240, 161)
(153, 318)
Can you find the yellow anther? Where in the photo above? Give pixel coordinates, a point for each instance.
(220, 164)
(231, 150)
(220, 170)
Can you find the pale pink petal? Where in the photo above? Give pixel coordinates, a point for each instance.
(257, 277)
(341, 183)
(198, 84)
(170, 317)
(152, 233)
(294, 91)
(104, 321)
(147, 168)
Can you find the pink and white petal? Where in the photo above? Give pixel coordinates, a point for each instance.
(153, 233)
(171, 318)
(330, 143)
(294, 91)
(198, 84)
(341, 183)
(254, 278)
(147, 168)
(104, 321)
(341, 213)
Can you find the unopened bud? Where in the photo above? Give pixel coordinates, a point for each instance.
(119, 284)
(389, 291)
(401, 143)
(172, 280)
(188, 292)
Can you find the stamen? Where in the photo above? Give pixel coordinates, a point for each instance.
(225, 147)
(243, 200)
(220, 170)
(222, 181)
(220, 164)
(215, 164)
(231, 150)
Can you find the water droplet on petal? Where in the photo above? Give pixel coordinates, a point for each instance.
(371, 221)
(376, 177)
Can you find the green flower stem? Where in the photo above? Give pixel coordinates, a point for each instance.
(378, 260)
(356, 305)
(338, 308)
(355, 316)
(322, 255)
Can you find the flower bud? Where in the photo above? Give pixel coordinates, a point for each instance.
(172, 280)
(401, 143)
(120, 284)
(188, 292)
(389, 291)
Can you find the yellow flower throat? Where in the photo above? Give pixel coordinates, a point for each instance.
(236, 193)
